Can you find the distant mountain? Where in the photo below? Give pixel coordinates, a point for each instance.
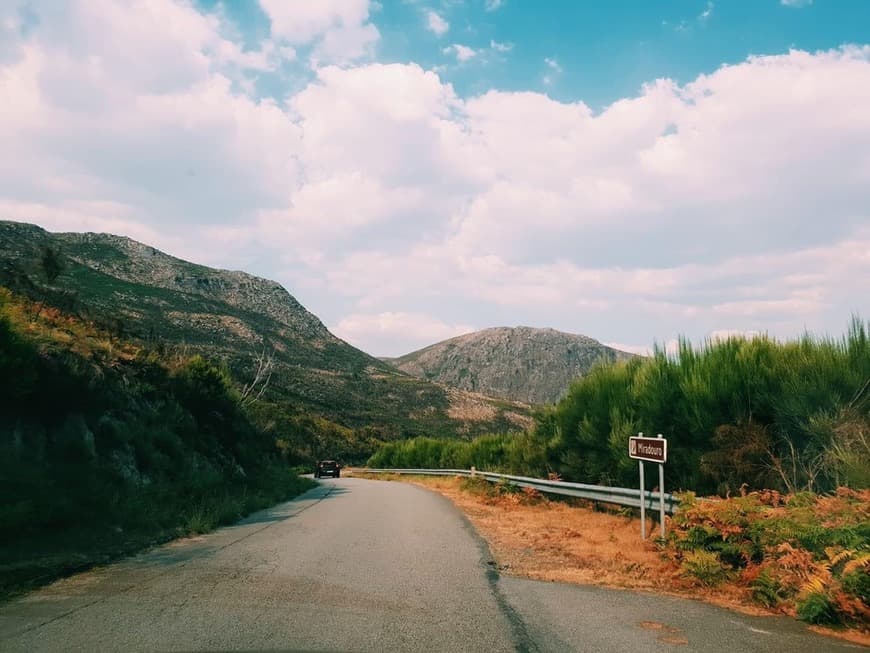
(142, 293)
(521, 363)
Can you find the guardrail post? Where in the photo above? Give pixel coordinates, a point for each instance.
(473, 470)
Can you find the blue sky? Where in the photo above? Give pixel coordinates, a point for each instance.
(412, 170)
(606, 50)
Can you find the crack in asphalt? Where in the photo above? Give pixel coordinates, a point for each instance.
(329, 490)
(522, 640)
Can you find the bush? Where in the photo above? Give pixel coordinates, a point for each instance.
(817, 608)
(705, 567)
(805, 552)
(110, 450)
(857, 584)
(790, 416)
(766, 589)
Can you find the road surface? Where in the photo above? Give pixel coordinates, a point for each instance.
(361, 565)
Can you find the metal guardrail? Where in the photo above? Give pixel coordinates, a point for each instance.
(621, 496)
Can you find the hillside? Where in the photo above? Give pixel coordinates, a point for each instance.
(147, 296)
(523, 364)
(106, 447)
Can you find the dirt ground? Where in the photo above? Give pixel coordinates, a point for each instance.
(533, 537)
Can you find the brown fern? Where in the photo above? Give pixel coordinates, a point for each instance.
(861, 562)
(815, 585)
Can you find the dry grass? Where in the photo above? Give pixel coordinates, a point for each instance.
(48, 328)
(475, 407)
(469, 406)
(532, 537)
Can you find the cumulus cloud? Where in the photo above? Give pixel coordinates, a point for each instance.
(336, 30)
(493, 5)
(796, 4)
(123, 109)
(436, 24)
(501, 47)
(462, 52)
(737, 200)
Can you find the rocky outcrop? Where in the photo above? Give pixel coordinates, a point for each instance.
(522, 363)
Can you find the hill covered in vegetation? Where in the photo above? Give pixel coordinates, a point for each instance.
(521, 363)
(742, 413)
(145, 397)
(253, 326)
(107, 446)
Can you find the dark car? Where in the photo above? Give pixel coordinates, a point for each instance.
(327, 468)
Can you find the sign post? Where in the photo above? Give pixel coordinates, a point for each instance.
(662, 492)
(654, 450)
(642, 503)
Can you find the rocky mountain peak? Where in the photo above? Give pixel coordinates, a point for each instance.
(519, 363)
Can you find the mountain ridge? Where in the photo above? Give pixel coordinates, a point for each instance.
(234, 317)
(534, 365)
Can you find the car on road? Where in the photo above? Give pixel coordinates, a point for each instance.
(327, 468)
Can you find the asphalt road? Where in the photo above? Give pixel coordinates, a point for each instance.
(359, 565)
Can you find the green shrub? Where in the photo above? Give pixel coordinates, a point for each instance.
(700, 537)
(857, 583)
(478, 486)
(817, 608)
(112, 451)
(766, 589)
(801, 499)
(201, 520)
(706, 567)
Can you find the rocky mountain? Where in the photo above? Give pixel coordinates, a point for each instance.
(142, 293)
(521, 363)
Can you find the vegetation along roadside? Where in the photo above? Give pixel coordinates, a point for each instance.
(741, 413)
(803, 555)
(113, 447)
(775, 435)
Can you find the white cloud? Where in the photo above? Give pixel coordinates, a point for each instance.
(493, 5)
(336, 30)
(501, 47)
(462, 52)
(640, 350)
(553, 64)
(671, 346)
(708, 11)
(797, 4)
(391, 333)
(128, 111)
(555, 69)
(739, 199)
(436, 24)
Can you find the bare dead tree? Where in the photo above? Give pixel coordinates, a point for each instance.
(254, 390)
(798, 470)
